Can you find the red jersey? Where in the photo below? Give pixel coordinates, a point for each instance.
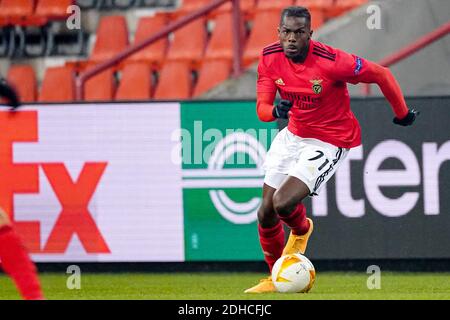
(318, 90)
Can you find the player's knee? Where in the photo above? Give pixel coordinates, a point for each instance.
(282, 205)
(267, 217)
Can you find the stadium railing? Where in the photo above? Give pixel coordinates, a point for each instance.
(164, 32)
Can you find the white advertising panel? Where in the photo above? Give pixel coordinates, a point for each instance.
(93, 182)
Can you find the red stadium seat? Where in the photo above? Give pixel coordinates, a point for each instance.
(16, 12)
(23, 79)
(190, 6)
(189, 42)
(155, 53)
(221, 43)
(212, 73)
(263, 33)
(112, 38)
(135, 83)
(175, 81)
(318, 10)
(53, 9)
(58, 85)
(100, 87)
(341, 6)
(273, 4)
(247, 8)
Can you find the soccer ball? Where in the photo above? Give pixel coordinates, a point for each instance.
(293, 273)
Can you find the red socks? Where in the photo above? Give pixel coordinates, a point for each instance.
(272, 243)
(16, 262)
(297, 220)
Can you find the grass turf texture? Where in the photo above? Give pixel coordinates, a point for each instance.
(230, 286)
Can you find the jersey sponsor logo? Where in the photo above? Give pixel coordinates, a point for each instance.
(317, 85)
(301, 101)
(359, 65)
(280, 82)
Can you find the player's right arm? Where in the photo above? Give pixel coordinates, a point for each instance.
(265, 96)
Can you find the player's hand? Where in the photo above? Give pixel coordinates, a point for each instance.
(281, 110)
(408, 119)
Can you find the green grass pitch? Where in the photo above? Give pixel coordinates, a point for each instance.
(230, 286)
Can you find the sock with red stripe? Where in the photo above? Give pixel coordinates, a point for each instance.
(297, 220)
(272, 242)
(17, 263)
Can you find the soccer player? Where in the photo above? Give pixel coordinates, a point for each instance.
(311, 79)
(14, 258)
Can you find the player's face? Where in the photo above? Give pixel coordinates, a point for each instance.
(294, 34)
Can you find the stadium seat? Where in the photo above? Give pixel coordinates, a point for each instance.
(100, 87)
(220, 45)
(53, 9)
(247, 9)
(189, 43)
(341, 6)
(23, 79)
(135, 83)
(318, 10)
(112, 38)
(16, 12)
(155, 53)
(175, 81)
(212, 73)
(188, 6)
(273, 4)
(263, 33)
(58, 85)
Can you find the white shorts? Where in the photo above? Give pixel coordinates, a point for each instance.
(311, 160)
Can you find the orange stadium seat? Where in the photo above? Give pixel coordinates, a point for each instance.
(23, 79)
(100, 87)
(53, 9)
(220, 45)
(189, 42)
(112, 38)
(155, 53)
(190, 6)
(318, 10)
(58, 85)
(273, 4)
(247, 8)
(16, 12)
(175, 81)
(135, 83)
(263, 33)
(341, 6)
(212, 73)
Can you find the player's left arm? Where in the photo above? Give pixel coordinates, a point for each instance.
(354, 69)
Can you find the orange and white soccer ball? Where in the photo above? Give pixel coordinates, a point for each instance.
(293, 273)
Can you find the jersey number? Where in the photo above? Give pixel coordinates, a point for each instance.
(320, 155)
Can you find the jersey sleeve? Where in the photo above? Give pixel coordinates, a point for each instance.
(353, 69)
(350, 68)
(264, 83)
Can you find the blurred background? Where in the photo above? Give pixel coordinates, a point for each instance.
(91, 169)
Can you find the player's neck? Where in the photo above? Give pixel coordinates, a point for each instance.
(302, 55)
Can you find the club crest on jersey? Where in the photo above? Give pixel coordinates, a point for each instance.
(280, 82)
(317, 86)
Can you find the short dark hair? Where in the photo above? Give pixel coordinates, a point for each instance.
(295, 11)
